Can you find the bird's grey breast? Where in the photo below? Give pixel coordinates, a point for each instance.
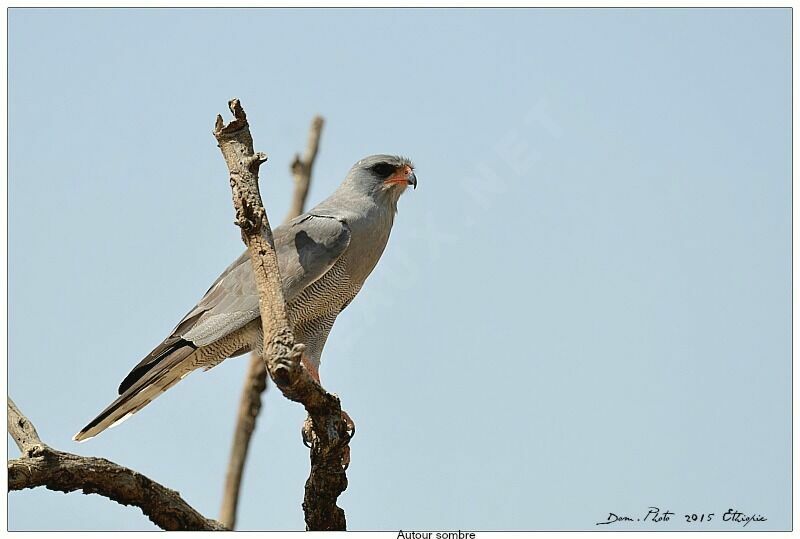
(333, 291)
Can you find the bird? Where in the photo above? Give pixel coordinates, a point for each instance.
(324, 257)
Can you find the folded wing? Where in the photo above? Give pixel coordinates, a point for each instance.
(307, 247)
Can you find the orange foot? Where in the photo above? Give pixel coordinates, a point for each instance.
(312, 369)
(308, 431)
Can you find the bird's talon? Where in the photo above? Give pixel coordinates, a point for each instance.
(349, 424)
(346, 457)
(308, 432)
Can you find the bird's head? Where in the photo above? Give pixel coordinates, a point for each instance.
(383, 177)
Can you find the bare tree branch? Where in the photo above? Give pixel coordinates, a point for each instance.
(43, 466)
(22, 430)
(255, 383)
(301, 169)
(330, 438)
(256, 379)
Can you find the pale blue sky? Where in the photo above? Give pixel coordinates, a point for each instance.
(583, 308)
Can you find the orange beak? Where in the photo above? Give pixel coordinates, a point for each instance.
(403, 176)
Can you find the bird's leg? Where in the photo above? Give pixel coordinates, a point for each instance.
(308, 431)
(312, 369)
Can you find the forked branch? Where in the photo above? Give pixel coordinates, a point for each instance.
(43, 466)
(330, 439)
(255, 382)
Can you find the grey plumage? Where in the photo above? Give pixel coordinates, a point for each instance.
(324, 257)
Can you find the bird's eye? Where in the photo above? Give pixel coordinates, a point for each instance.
(384, 170)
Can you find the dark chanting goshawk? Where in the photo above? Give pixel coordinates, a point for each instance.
(324, 257)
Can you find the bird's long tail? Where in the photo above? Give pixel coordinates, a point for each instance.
(168, 372)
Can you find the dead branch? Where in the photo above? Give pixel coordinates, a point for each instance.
(282, 354)
(22, 430)
(43, 466)
(255, 382)
(301, 169)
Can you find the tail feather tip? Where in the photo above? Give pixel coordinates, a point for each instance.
(81, 437)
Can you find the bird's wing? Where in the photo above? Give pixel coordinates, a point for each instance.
(307, 247)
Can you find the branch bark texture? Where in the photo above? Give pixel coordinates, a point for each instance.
(256, 378)
(302, 167)
(43, 466)
(22, 430)
(282, 354)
